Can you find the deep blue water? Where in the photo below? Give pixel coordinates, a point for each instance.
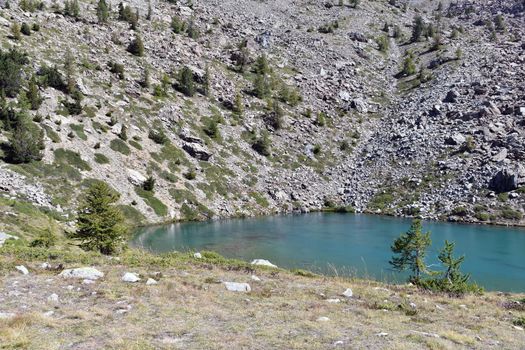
(357, 245)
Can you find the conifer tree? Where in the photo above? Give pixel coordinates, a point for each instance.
(136, 47)
(410, 249)
(186, 81)
(26, 142)
(33, 94)
(417, 28)
(100, 224)
(102, 11)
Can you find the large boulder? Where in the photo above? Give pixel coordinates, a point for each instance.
(197, 151)
(455, 139)
(88, 273)
(505, 180)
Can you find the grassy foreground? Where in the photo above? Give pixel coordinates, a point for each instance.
(190, 309)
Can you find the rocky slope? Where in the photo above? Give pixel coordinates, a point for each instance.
(361, 134)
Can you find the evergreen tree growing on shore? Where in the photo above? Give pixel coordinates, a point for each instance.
(100, 224)
(410, 251)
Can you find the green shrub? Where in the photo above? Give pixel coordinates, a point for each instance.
(120, 146)
(158, 207)
(460, 211)
(158, 136)
(511, 214)
(67, 157)
(101, 159)
(45, 239)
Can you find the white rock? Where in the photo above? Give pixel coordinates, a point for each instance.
(22, 269)
(4, 237)
(413, 305)
(53, 298)
(89, 273)
(130, 277)
(135, 178)
(86, 281)
(263, 262)
(382, 334)
(48, 313)
(151, 282)
(339, 342)
(4, 315)
(333, 301)
(323, 319)
(518, 328)
(255, 278)
(237, 287)
(45, 266)
(197, 256)
(348, 293)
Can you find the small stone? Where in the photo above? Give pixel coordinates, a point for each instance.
(382, 334)
(130, 277)
(348, 293)
(45, 266)
(263, 262)
(197, 256)
(48, 313)
(255, 278)
(518, 328)
(323, 319)
(237, 287)
(53, 298)
(22, 269)
(339, 343)
(86, 281)
(333, 301)
(151, 282)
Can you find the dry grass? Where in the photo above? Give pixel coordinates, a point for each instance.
(189, 310)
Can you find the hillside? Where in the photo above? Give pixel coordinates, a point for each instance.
(241, 108)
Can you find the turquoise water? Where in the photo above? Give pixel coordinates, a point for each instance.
(347, 243)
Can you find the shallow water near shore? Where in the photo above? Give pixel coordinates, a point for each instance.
(346, 244)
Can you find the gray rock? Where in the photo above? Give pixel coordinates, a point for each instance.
(505, 180)
(197, 151)
(455, 139)
(151, 282)
(348, 293)
(130, 277)
(22, 269)
(135, 177)
(89, 273)
(237, 287)
(263, 262)
(4, 237)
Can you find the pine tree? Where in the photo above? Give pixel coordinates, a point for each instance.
(238, 106)
(69, 68)
(417, 28)
(150, 12)
(100, 224)
(186, 81)
(261, 65)
(33, 94)
(411, 248)
(207, 81)
(261, 86)
(149, 184)
(102, 11)
(409, 67)
(15, 31)
(25, 29)
(26, 142)
(146, 80)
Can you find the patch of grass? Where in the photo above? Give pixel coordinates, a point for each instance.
(158, 207)
(458, 338)
(101, 159)
(120, 146)
(511, 214)
(132, 216)
(79, 130)
(135, 144)
(53, 136)
(63, 156)
(260, 199)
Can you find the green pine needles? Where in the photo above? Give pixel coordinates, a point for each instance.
(409, 254)
(100, 224)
